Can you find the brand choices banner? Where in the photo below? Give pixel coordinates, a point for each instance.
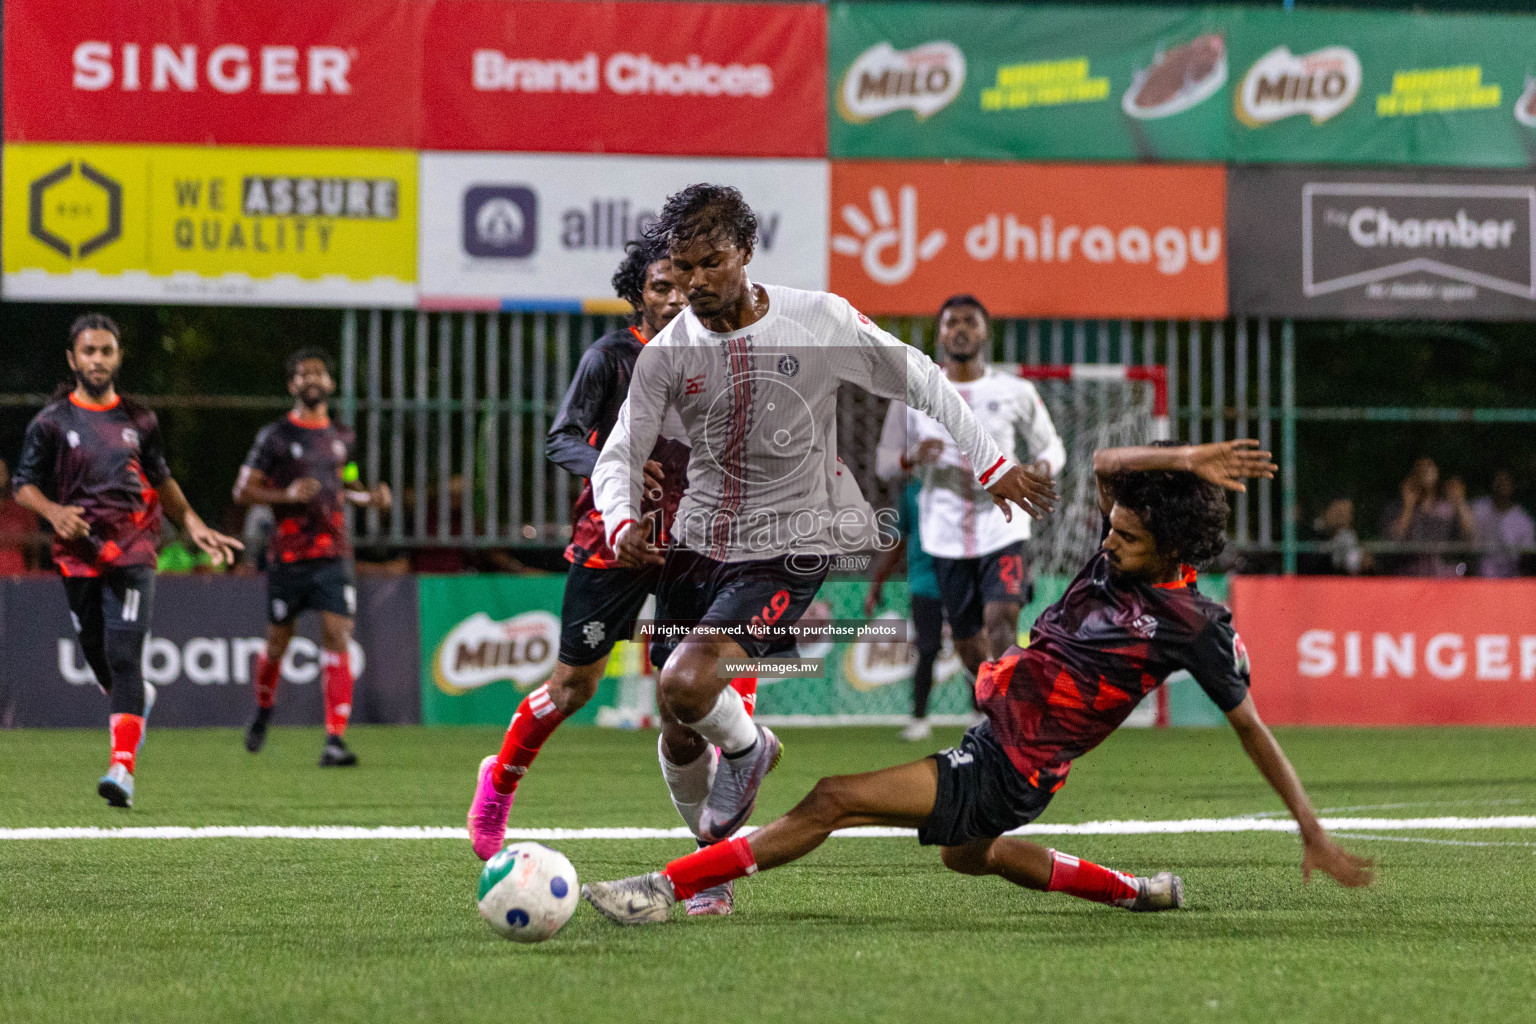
(705, 79)
(1340, 651)
(192, 224)
(201, 653)
(1031, 240)
(1319, 243)
(1243, 85)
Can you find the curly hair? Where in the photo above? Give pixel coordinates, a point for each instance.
(639, 254)
(296, 359)
(702, 211)
(1187, 516)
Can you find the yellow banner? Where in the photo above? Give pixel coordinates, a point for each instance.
(230, 224)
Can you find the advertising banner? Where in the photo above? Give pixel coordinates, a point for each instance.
(1031, 240)
(994, 81)
(236, 225)
(1319, 243)
(1343, 651)
(680, 78)
(1335, 86)
(547, 231)
(215, 72)
(201, 655)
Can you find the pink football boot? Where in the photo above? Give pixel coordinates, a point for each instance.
(488, 813)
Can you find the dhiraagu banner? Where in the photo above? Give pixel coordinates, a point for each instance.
(998, 82)
(233, 225)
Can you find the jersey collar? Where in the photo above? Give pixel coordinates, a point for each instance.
(307, 426)
(1187, 579)
(642, 339)
(92, 407)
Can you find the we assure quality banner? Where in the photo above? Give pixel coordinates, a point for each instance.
(1222, 84)
(193, 224)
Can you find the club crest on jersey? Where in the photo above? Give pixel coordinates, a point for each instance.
(789, 365)
(296, 450)
(695, 385)
(1239, 655)
(73, 437)
(130, 436)
(1144, 626)
(338, 449)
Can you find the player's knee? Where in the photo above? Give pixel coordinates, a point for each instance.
(971, 652)
(828, 802)
(688, 687)
(964, 859)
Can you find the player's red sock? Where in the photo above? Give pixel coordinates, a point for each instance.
(747, 687)
(713, 865)
(338, 693)
(1089, 881)
(127, 730)
(536, 717)
(268, 674)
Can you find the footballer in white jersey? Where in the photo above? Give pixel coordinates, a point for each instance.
(753, 373)
(978, 553)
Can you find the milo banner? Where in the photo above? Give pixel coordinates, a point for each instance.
(1002, 82)
(1320, 243)
(1222, 84)
(204, 639)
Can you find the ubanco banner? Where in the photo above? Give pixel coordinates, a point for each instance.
(1219, 84)
(232, 225)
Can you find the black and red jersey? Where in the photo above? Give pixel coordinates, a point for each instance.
(581, 428)
(107, 460)
(289, 450)
(1094, 654)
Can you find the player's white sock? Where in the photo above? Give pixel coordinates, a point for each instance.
(688, 784)
(727, 726)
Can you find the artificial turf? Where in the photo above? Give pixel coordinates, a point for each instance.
(269, 930)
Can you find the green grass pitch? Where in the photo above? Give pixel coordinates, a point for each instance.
(253, 930)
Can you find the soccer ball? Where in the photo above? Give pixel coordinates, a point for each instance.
(527, 892)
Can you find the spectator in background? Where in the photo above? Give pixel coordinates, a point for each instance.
(1502, 527)
(1428, 514)
(1336, 528)
(20, 539)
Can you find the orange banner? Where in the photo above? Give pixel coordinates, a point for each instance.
(1031, 240)
(1340, 651)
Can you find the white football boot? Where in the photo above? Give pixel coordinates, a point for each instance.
(1163, 891)
(642, 899)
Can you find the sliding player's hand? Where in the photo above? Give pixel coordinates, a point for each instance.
(633, 546)
(220, 547)
(654, 478)
(1228, 463)
(1336, 862)
(1033, 492)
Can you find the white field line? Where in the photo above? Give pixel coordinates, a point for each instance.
(1184, 826)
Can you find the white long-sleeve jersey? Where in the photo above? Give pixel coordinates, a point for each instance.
(759, 407)
(957, 519)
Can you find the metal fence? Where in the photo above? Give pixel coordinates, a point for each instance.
(451, 409)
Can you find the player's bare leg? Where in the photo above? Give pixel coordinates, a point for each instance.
(692, 693)
(1000, 627)
(268, 675)
(336, 639)
(899, 797)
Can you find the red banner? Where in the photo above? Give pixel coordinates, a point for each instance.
(655, 78)
(223, 72)
(1031, 240)
(1340, 651)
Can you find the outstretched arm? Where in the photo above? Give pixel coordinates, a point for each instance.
(1318, 849)
(1225, 463)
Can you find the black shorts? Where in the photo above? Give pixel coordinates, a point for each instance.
(981, 794)
(696, 590)
(599, 610)
(122, 598)
(315, 584)
(969, 584)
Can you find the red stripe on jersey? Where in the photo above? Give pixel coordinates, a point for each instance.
(1000, 460)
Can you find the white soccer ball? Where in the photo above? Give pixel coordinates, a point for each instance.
(527, 892)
